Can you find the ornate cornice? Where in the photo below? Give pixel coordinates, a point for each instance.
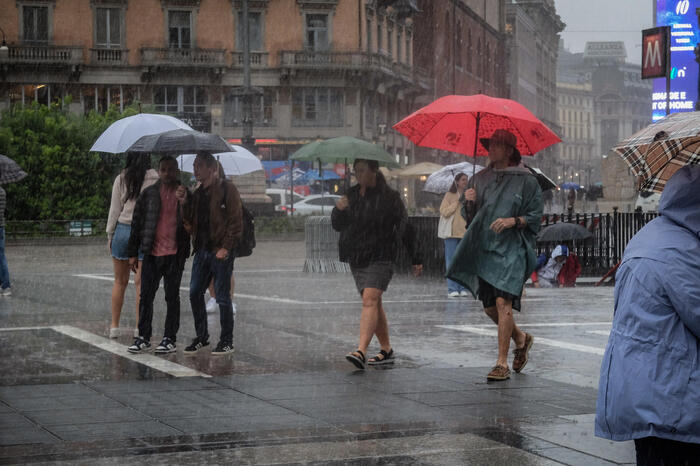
(121, 3)
(253, 5)
(318, 4)
(180, 4)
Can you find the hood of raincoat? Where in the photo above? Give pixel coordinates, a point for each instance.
(681, 198)
(650, 374)
(560, 250)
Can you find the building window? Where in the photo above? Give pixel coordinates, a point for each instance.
(409, 58)
(108, 27)
(317, 107)
(35, 24)
(389, 40)
(458, 45)
(255, 34)
(100, 98)
(180, 99)
(179, 29)
(369, 35)
(380, 39)
(399, 45)
(262, 109)
(317, 37)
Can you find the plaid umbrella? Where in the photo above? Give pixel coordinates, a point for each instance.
(10, 172)
(655, 153)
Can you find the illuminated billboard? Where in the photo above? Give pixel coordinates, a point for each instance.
(681, 16)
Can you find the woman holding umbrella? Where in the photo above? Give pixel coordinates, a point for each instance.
(452, 227)
(371, 218)
(136, 177)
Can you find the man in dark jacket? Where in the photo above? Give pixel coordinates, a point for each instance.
(158, 231)
(213, 215)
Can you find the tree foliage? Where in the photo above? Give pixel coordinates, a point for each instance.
(52, 145)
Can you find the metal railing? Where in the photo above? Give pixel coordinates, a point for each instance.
(28, 229)
(598, 254)
(69, 55)
(109, 56)
(342, 60)
(182, 57)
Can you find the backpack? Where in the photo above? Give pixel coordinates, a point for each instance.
(245, 246)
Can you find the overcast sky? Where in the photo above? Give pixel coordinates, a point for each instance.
(606, 20)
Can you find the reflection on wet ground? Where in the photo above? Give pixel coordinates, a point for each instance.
(69, 394)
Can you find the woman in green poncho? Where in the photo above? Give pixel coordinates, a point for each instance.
(496, 254)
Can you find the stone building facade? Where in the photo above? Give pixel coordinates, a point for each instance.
(322, 68)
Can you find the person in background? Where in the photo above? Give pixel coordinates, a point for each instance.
(546, 274)
(5, 287)
(649, 389)
(570, 271)
(158, 232)
(455, 225)
(371, 219)
(136, 177)
(213, 216)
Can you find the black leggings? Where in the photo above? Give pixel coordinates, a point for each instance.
(655, 451)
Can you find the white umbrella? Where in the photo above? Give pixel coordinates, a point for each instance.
(123, 133)
(440, 181)
(235, 163)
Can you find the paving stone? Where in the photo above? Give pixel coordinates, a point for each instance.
(92, 401)
(569, 456)
(25, 435)
(503, 410)
(157, 385)
(112, 430)
(42, 391)
(10, 420)
(85, 416)
(457, 398)
(207, 411)
(245, 423)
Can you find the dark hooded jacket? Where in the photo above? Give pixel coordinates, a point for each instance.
(372, 227)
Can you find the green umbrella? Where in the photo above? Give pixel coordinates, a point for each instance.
(343, 150)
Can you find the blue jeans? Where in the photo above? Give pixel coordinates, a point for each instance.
(450, 247)
(4, 271)
(204, 267)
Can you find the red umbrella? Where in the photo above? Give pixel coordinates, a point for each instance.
(456, 122)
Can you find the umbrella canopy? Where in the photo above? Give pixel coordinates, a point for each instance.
(343, 150)
(544, 181)
(123, 133)
(181, 141)
(440, 181)
(240, 162)
(656, 152)
(456, 122)
(563, 232)
(570, 185)
(10, 172)
(418, 170)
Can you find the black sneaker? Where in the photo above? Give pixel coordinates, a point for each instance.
(195, 346)
(140, 345)
(223, 348)
(166, 346)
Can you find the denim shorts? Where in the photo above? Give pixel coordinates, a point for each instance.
(120, 241)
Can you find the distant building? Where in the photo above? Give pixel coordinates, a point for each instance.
(532, 31)
(621, 102)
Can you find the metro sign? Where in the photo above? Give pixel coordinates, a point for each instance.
(655, 55)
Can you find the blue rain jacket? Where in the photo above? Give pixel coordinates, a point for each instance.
(650, 376)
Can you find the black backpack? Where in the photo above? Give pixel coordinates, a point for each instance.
(245, 246)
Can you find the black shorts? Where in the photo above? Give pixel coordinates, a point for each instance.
(488, 294)
(375, 275)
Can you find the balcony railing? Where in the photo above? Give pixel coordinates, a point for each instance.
(183, 57)
(47, 54)
(109, 56)
(257, 59)
(343, 60)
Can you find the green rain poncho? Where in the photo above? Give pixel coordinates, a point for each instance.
(504, 260)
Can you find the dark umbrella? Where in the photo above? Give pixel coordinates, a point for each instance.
(180, 141)
(544, 181)
(10, 172)
(560, 232)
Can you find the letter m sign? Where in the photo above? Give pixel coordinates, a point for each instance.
(655, 52)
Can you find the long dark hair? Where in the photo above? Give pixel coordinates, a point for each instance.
(134, 173)
(453, 188)
(374, 166)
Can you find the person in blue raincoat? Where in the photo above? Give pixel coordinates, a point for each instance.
(496, 254)
(650, 375)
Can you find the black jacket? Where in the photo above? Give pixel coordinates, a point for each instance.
(372, 226)
(145, 221)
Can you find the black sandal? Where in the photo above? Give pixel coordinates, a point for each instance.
(359, 362)
(382, 358)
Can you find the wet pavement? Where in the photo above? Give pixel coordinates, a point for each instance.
(68, 394)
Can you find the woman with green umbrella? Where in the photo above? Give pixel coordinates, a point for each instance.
(371, 218)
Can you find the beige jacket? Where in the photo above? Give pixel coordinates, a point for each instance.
(121, 210)
(450, 207)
